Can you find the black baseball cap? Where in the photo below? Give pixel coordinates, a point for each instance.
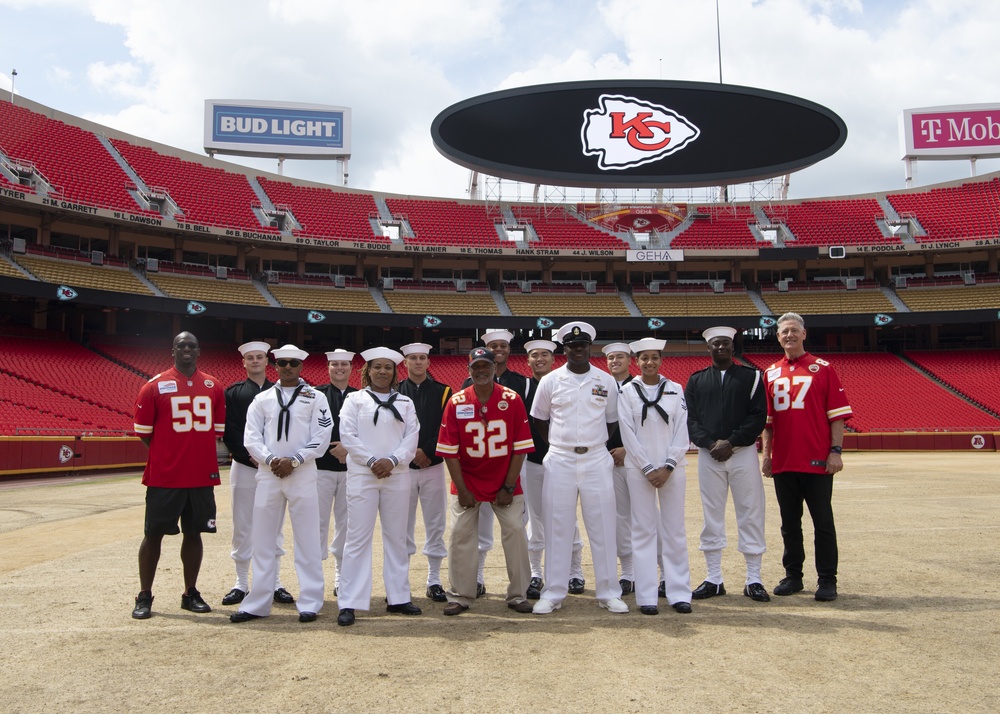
(480, 354)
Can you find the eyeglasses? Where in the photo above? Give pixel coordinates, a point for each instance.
(288, 362)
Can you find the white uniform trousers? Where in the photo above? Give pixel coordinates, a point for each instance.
(531, 483)
(243, 487)
(741, 474)
(331, 490)
(658, 515)
(463, 550)
(623, 529)
(298, 492)
(430, 487)
(587, 479)
(368, 497)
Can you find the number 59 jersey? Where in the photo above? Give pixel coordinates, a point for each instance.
(182, 416)
(804, 397)
(484, 438)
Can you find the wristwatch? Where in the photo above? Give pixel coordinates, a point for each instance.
(836, 450)
(508, 489)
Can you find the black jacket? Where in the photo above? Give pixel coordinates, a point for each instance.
(429, 398)
(329, 462)
(734, 409)
(238, 398)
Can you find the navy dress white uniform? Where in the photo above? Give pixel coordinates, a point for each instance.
(428, 483)
(575, 409)
(287, 422)
(653, 422)
(331, 483)
(376, 426)
(728, 404)
(623, 532)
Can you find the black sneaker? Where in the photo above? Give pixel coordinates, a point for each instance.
(788, 586)
(143, 606)
(627, 586)
(436, 593)
(193, 602)
(576, 586)
(756, 592)
(534, 589)
(827, 591)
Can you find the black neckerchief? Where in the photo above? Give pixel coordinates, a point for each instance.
(646, 404)
(284, 416)
(387, 404)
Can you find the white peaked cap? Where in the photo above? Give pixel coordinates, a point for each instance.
(415, 348)
(382, 353)
(573, 330)
(494, 335)
(712, 332)
(289, 352)
(615, 347)
(646, 344)
(339, 355)
(540, 345)
(254, 347)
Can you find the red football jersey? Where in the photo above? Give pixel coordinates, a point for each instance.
(804, 397)
(484, 438)
(183, 417)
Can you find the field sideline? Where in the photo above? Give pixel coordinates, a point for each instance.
(916, 628)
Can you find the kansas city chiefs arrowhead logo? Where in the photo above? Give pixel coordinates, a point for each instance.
(315, 316)
(766, 322)
(655, 323)
(195, 308)
(882, 319)
(431, 321)
(625, 132)
(64, 292)
(544, 323)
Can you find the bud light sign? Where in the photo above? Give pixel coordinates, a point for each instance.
(262, 128)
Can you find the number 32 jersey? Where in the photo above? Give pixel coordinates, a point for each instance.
(484, 438)
(182, 416)
(804, 397)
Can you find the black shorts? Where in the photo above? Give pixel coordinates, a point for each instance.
(195, 507)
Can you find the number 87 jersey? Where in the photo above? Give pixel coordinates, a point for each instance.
(182, 416)
(804, 397)
(484, 438)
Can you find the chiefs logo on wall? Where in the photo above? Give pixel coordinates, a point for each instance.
(625, 132)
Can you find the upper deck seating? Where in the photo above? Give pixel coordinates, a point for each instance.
(442, 222)
(323, 212)
(971, 210)
(719, 227)
(558, 228)
(832, 222)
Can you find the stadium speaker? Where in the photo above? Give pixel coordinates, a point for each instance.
(837, 251)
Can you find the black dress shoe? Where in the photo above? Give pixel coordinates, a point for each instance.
(662, 592)
(827, 591)
(234, 597)
(756, 592)
(404, 608)
(345, 617)
(480, 590)
(576, 586)
(193, 602)
(649, 609)
(788, 586)
(534, 589)
(683, 608)
(283, 597)
(628, 586)
(307, 617)
(707, 590)
(241, 616)
(143, 606)
(436, 593)
(522, 607)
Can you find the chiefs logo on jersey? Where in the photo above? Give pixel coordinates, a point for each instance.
(624, 132)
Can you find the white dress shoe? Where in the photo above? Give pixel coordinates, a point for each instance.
(615, 604)
(546, 607)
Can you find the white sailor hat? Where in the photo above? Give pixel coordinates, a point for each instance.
(615, 347)
(576, 332)
(494, 335)
(646, 344)
(289, 352)
(415, 348)
(540, 345)
(339, 355)
(718, 332)
(382, 353)
(254, 347)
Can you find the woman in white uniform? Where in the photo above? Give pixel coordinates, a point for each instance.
(379, 429)
(652, 417)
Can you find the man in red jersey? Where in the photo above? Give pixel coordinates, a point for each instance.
(483, 440)
(179, 414)
(802, 446)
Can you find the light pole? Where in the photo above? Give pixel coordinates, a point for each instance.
(13, 73)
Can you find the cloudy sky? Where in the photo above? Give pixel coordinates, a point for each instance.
(146, 68)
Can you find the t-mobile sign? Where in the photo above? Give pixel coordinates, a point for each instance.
(950, 132)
